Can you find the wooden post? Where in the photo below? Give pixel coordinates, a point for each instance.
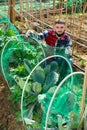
(21, 10)
(30, 9)
(83, 97)
(54, 4)
(85, 119)
(66, 13)
(40, 9)
(59, 8)
(48, 9)
(27, 6)
(41, 17)
(72, 17)
(54, 10)
(82, 20)
(11, 10)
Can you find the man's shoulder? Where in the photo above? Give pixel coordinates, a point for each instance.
(51, 31)
(66, 36)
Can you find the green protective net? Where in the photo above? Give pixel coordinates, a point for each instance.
(62, 104)
(5, 24)
(17, 55)
(7, 30)
(48, 73)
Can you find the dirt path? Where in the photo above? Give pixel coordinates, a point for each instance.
(7, 116)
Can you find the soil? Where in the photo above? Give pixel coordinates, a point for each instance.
(7, 116)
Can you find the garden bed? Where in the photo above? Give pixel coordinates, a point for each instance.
(8, 119)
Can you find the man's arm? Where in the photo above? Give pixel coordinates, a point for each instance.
(42, 35)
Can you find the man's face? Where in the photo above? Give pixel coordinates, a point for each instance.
(59, 28)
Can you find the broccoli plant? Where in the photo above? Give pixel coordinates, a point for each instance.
(42, 80)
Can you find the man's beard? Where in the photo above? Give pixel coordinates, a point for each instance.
(59, 35)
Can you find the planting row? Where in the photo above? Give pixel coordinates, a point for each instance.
(45, 88)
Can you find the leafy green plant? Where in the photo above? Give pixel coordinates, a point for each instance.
(40, 82)
(15, 96)
(4, 37)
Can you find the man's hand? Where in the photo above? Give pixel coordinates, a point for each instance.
(29, 33)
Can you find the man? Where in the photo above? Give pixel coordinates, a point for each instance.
(57, 40)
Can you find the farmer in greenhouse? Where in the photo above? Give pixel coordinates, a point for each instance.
(57, 40)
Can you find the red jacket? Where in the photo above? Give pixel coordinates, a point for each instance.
(52, 39)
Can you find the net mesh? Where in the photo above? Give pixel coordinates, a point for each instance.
(17, 54)
(42, 79)
(7, 30)
(62, 105)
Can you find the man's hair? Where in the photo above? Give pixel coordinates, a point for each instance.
(60, 21)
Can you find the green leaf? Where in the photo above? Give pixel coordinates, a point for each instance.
(1, 33)
(52, 90)
(51, 80)
(27, 65)
(47, 69)
(39, 75)
(30, 111)
(54, 66)
(31, 99)
(20, 82)
(9, 33)
(37, 88)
